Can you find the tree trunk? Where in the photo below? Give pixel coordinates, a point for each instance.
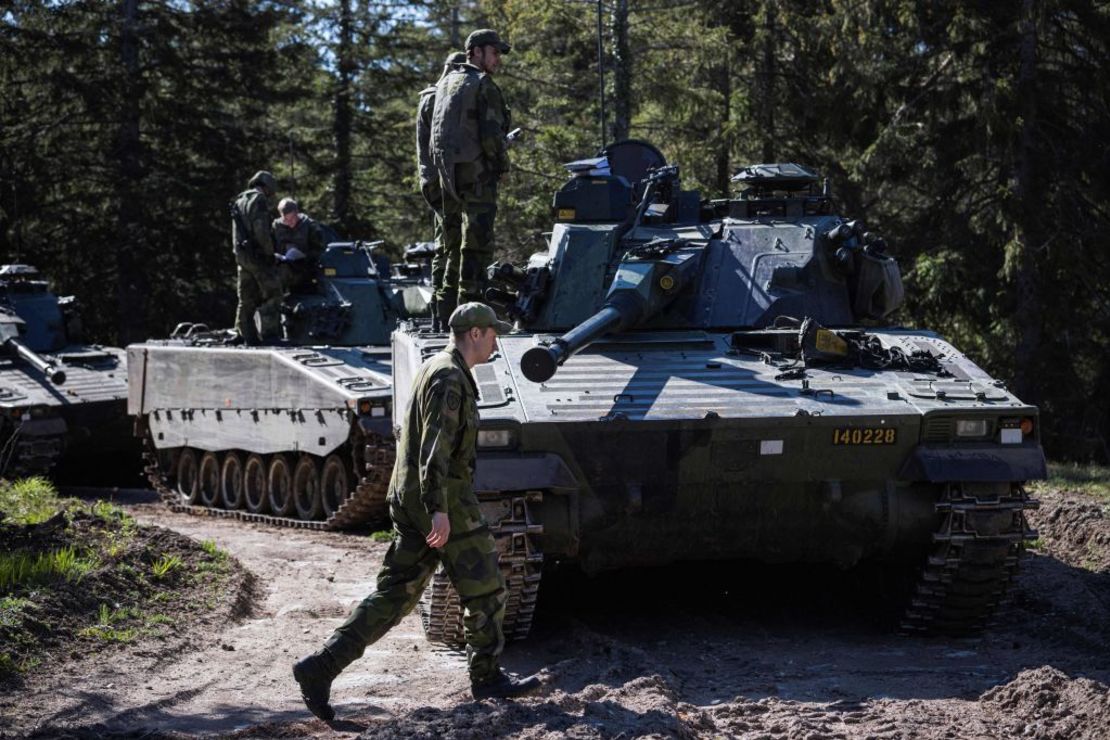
(622, 73)
(1029, 235)
(766, 79)
(343, 116)
(128, 161)
(722, 75)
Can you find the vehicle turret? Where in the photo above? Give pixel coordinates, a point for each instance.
(40, 350)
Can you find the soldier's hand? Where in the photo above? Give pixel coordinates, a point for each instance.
(441, 530)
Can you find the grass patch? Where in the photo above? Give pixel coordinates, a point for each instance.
(29, 501)
(385, 535)
(165, 566)
(1091, 480)
(24, 569)
(105, 628)
(11, 611)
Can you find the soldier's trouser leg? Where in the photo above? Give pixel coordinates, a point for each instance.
(434, 198)
(269, 308)
(470, 561)
(250, 295)
(480, 211)
(471, 564)
(450, 247)
(408, 566)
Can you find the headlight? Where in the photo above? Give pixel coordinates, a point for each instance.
(972, 427)
(495, 437)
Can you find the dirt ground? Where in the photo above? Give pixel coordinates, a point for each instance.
(724, 651)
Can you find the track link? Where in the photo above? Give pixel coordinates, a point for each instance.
(511, 522)
(32, 455)
(972, 560)
(366, 504)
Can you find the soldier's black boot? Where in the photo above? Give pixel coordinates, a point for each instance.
(315, 673)
(445, 307)
(503, 686)
(433, 310)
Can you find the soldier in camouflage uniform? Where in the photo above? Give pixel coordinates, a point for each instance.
(258, 280)
(429, 181)
(469, 124)
(436, 520)
(300, 241)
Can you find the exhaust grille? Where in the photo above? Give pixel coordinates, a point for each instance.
(937, 429)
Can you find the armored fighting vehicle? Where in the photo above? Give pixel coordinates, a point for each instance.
(295, 435)
(696, 380)
(57, 394)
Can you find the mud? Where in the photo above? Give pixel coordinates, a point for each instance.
(726, 650)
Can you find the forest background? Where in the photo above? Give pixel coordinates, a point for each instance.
(975, 136)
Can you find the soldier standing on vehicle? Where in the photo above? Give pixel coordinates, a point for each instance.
(469, 124)
(428, 178)
(436, 520)
(258, 279)
(300, 241)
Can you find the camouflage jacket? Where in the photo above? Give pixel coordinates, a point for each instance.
(425, 168)
(468, 126)
(436, 453)
(306, 236)
(494, 124)
(255, 209)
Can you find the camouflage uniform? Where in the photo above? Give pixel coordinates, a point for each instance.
(308, 237)
(468, 220)
(258, 280)
(434, 472)
(429, 184)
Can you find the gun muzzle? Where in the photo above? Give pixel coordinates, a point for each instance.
(47, 368)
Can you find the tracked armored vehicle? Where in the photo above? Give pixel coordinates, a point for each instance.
(698, 380)
(294, 435)
(57, 394)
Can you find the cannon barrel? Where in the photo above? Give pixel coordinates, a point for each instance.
(21, 350)
(539, 363)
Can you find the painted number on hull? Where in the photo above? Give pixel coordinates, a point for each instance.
(865, 436)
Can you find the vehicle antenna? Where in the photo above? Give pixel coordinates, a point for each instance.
(601, 73)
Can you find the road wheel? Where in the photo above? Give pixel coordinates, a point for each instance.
(188, 483)
(209, 479)
(334, 484)
(231, 481)
(279, 486)
(306, 489)
(254, 485)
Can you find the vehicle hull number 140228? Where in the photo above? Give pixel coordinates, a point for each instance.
(865, 436)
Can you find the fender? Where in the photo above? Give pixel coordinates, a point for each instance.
(974, 463)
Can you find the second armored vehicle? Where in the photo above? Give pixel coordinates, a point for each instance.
(713, 380)
(296, 435)
(57, 394)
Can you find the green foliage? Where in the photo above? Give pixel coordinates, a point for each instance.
(165, 566)
(971, 135)
(26, 569)
(385, 535)
(1090, 480)
(11, 610)
(28, 501)
(212, 550)
(106, 628)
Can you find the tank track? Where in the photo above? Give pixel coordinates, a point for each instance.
(521, 560)
(972, 560)
(31, 456)
(366, 504)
